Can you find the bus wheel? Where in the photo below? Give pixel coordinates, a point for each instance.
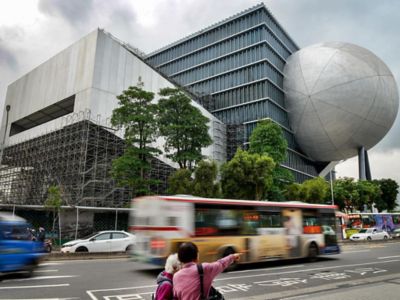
(229, 251)
(312, 252)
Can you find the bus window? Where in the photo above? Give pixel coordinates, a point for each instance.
(271, 220)
(311, 223)
(251, 221)
(396, 220)
(212, 221)
(368, 221)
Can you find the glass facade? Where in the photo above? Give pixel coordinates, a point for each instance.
(239, 64)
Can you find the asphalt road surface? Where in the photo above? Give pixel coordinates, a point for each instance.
(362, 271)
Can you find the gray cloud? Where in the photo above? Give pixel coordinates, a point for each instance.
(7, 58)
(74, 11)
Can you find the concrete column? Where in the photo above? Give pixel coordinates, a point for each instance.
(361, 164)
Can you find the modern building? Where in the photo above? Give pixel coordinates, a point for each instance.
(56, 126)
(56, 123)
(236, 68)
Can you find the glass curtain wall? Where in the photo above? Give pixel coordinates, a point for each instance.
(239, 63)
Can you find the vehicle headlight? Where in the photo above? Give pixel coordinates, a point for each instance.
(68, 245)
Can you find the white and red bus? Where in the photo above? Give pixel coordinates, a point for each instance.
(261, 230)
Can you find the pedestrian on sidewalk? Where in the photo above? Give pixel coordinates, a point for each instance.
(164, 289)
(187, 281)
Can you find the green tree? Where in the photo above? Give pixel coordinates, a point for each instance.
(247, 176)
(368, 193)
(180, 182)
(184, 127)
(315, 190)
(345, 193)
(127, 170)
(267, 138)
(54, 202)
(136, 114)
(387, 199)
(292, 192)
(205, 177)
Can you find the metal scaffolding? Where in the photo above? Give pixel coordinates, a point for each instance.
(235, 138)
(78, 158)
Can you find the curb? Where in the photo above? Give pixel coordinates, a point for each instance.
(88, 256)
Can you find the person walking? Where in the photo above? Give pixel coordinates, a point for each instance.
(164, 289)
(186, 282)
(41, 235)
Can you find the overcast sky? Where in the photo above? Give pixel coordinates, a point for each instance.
(32, 31)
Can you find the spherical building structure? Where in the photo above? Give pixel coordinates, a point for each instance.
(340, 97)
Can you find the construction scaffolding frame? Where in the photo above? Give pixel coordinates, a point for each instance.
(78, 158)
(235, 138)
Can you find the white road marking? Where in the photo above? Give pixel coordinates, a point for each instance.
(50, 264)
(385, 257)
(45, 271)
(93, 297)
(42, 277)
(307, 270)
(71, 298)
(32, 286)
(355, 251)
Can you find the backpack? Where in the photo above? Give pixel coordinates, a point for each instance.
(214, 293)
(163, 281)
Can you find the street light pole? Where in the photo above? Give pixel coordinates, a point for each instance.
(330, 177)
(8, 107)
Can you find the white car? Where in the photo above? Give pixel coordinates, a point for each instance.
(370, 234)
(104, 241)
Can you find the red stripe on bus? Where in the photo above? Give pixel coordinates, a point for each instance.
(156, 228)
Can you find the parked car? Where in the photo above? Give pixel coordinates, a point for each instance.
(370, 234)
(18, 253)
(395, 234)
(104, 241)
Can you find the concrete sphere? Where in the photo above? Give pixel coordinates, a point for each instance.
(339, 97)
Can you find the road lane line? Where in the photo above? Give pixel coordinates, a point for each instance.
(307, 270)
(45, 271)
(42, 277)
(33, 286)
(126, 288)
(50, 264)
(355, 251)
(385, 257)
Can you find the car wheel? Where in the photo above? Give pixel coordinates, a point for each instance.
(368, 238)
(48, 248)
(129, 249)
(385, 237)
(312, 252)
(82, 249)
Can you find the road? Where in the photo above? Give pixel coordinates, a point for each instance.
(362, 271)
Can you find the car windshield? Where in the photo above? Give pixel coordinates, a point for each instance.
(89, 236)
(363, 231)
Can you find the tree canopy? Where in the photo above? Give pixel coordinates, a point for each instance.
(387, 198)
(184, 127)
(136, 114)
(267, 138)
(247, 176)
(205, 177)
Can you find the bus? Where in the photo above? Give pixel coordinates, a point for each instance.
(353, 222)
(18, 253)
(260, 230)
